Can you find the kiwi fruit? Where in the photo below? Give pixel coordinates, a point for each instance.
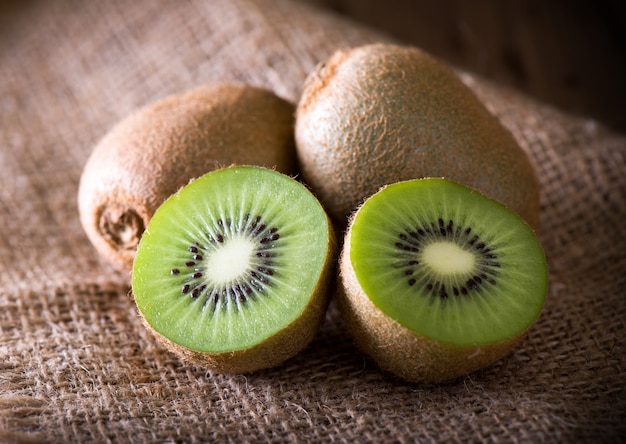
(382, 113)
(438, 280)
(233, 270)
(153, 152)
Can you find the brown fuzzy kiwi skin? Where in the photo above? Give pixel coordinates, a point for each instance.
(158, 149)
(383, 113)
(395, 348)
(278, 348)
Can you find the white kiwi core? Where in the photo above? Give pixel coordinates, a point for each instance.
(230, 261)
(447, 258)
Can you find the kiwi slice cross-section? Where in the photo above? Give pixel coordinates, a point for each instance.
(232, 271)
(439, 280)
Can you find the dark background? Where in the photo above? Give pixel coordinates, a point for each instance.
(568, 53)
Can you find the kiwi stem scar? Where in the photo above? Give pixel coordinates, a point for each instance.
(121, 226)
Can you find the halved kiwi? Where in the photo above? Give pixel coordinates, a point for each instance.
(439, 280)
(232, 270)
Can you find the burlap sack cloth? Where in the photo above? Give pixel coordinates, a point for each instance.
(77, 365)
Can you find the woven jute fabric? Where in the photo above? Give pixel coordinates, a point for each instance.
(76, 364)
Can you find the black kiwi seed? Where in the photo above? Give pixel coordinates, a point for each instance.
(443, 294)
(256, 279)
(415, 238)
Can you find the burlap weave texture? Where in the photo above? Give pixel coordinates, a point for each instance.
(77, 366)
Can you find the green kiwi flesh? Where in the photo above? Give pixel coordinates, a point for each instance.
(438, 279)
(232, 271)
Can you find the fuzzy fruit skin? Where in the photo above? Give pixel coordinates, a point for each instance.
(395, 348)
(382, 113)
(152, 153)
(278, 348)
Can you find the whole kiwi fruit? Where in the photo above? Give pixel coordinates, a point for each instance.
(156, 150)
(438, 280)
(382, 113)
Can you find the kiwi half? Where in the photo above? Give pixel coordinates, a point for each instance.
(232, 271)
(439, 280)
(382, 113)
(153, 152)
